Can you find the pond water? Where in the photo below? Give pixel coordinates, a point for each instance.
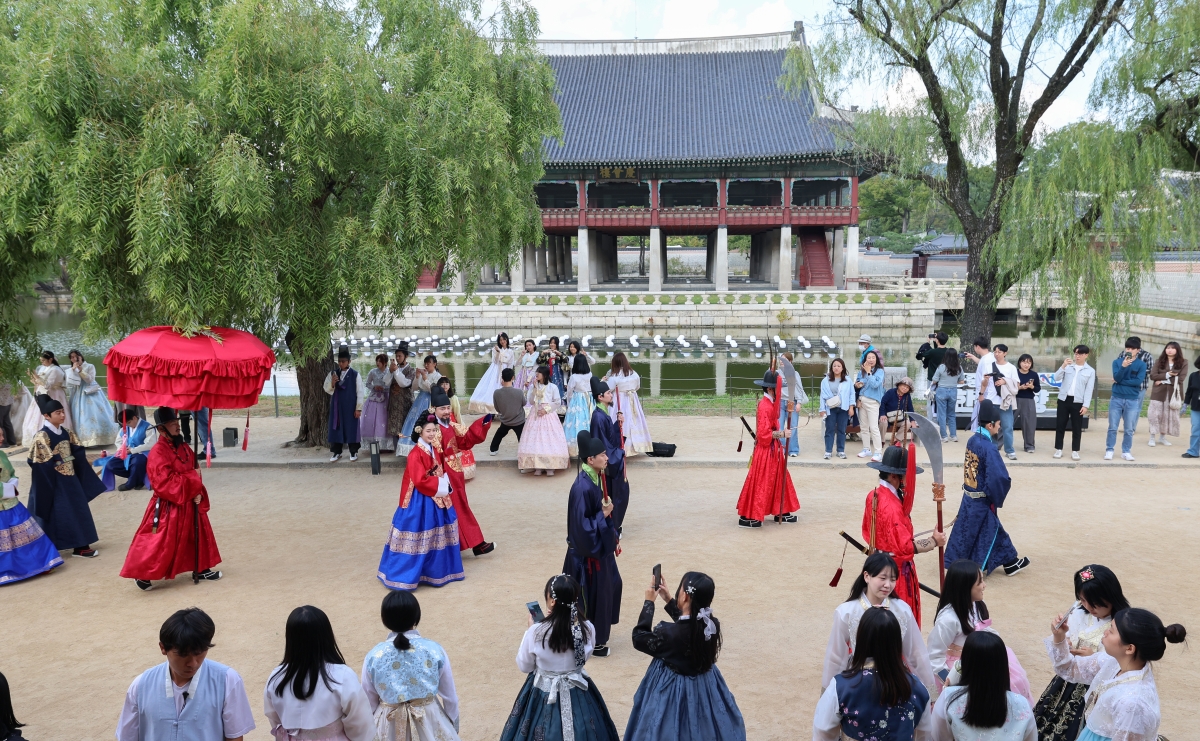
(670, 370)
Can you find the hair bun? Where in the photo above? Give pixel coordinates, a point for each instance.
(1175, 633)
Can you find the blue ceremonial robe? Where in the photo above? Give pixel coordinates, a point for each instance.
(978, 534)
(343, 427)
(592, 554)
(604, 428)
(62, 485)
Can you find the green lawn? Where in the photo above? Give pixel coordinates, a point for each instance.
(1169, 314)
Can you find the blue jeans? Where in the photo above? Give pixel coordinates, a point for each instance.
(794, 442)
(200, 416)
(947, 420)
(1006, 429)
(1122, 409)
(835, 427)
(1194, 449)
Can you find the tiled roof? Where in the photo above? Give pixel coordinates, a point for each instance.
(675, 108)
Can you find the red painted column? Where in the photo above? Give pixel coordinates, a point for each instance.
(854, 200)
(722, 200)
(787, 200)
(653, 204)
(582, 202)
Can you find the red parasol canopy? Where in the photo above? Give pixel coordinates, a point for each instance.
(219, 368)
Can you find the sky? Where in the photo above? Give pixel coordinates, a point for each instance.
(667, 19)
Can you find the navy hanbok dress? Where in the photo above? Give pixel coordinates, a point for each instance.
(978, 534)
(677, 699)
(605, 429)
(343, 402)
(591, 553)
(423, 543)
(62, 485)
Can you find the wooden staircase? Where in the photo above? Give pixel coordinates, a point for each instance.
(816, 272)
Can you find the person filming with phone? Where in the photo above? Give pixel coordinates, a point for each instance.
(1125, 405)
(1076, 381)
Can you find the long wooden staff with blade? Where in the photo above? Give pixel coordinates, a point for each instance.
(926, 432)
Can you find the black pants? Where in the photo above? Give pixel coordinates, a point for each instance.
(500, 433)
(336, 448)
(1068, 409)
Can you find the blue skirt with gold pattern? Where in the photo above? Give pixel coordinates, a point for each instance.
(25, 550)
(422, 547)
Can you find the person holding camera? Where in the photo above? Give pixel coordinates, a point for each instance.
(1002, 383)
(932, 354)
(1125, 404)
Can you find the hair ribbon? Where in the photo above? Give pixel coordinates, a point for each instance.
(710, 625)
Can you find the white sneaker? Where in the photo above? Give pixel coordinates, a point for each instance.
(334, 458)
(1108, 454)
(1152, 442)
(549, 471)
(841, 455)
(1164, 441)
(1058, 454)
(1127, 456)
(1074, 455)
(353, 457)
(877, 458)
(828, 456)
(493, 452)
(866, 453)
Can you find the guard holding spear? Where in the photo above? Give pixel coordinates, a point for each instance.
(768, 488)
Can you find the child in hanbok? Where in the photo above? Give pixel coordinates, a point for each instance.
(961, 612)
(426, 378)
(625, 382)
(27, 552)
(1098, 596)
(312, 694)
(683, 696)
(559, 701)
(543, 445)
(62, 483)
(466, 458)
(90, 410)
(502, 357)
(49, 380)
(422, 547)
(526, 367)
(407, 679)
(372, 425)
(873, 588)
(579, 402)
(557, 362)
(979, 706)
(877, 697)
(1122, 702)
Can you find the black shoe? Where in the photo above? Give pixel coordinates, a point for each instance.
(785, 518)
(1016, 566)
(85, 552)
(1189, 455)
(143, 585)
(124, 487)
(601, 651)
(747, 522)
(483, 548)
(208, 575)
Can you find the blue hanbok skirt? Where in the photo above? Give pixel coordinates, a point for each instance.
(25, 550)
(671, 707)
(419, 407)
(422, 547)
(1088, 734)
(556, 378)
(531, 718)
(93, 416)
(579, 417)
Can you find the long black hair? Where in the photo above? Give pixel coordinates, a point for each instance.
(507, 342)
(874, 565)
(1147, 633)
(702, 650)
(309, 645)
(1101, 588)
(879, 639)
(400, 613)
(580, 364)
(984, 680)
(8, 719)
(953, 367)
(47, 355)
(566, 613)
(961, 578)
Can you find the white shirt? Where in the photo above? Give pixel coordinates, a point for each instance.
(85, 377)
(359, 391)
(946, 632)
(533, 655)
(985, 366)
(827, 720)
(148, 441)
(342, 701)
(1124, 706)
(844, 635)
(52, 427)
(580, 383)
(623, 382)
(446, 691)
(1010, 374)
(1019, 725)
(236, 717)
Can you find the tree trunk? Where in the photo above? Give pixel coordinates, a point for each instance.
(982, 295)
(314, 402)
(904, 222)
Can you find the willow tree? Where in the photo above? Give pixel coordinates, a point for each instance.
(288, 166)
(973, 82)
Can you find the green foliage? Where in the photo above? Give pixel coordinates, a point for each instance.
(892, 204)
(898, 243)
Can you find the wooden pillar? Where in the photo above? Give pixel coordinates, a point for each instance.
(784, 274)
(539, 259)
(583, 256)
(657, 266)
(552, 259)
(721, 263)
(839, 258)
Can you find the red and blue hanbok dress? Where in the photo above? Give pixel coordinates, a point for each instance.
(423, 544)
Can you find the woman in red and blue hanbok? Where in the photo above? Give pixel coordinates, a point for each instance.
(423, 545)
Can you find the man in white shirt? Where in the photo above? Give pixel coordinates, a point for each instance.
(983, 361)
(187, 698)
(1001, 390)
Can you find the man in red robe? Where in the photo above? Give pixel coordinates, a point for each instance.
(887, 524)
(164, 545)
(454, 438)
(768, 466)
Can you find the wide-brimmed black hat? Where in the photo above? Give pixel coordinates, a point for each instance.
(48, 405)
(988, 412)
(163, 415)
(438, 397)
(343, 353)
(895, 460)
(598, 387)
(588, 445)
(768, 380)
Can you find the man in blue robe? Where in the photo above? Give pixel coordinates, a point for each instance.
(608, 431)
(138, 437)
(592, 541)
(62, 483)
(345, 391)
(978, 534)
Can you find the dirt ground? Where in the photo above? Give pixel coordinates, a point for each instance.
(74, 639)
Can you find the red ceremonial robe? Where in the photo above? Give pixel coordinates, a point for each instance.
(171, 550)
(451, 444)
(768, 469)
(894, 535)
